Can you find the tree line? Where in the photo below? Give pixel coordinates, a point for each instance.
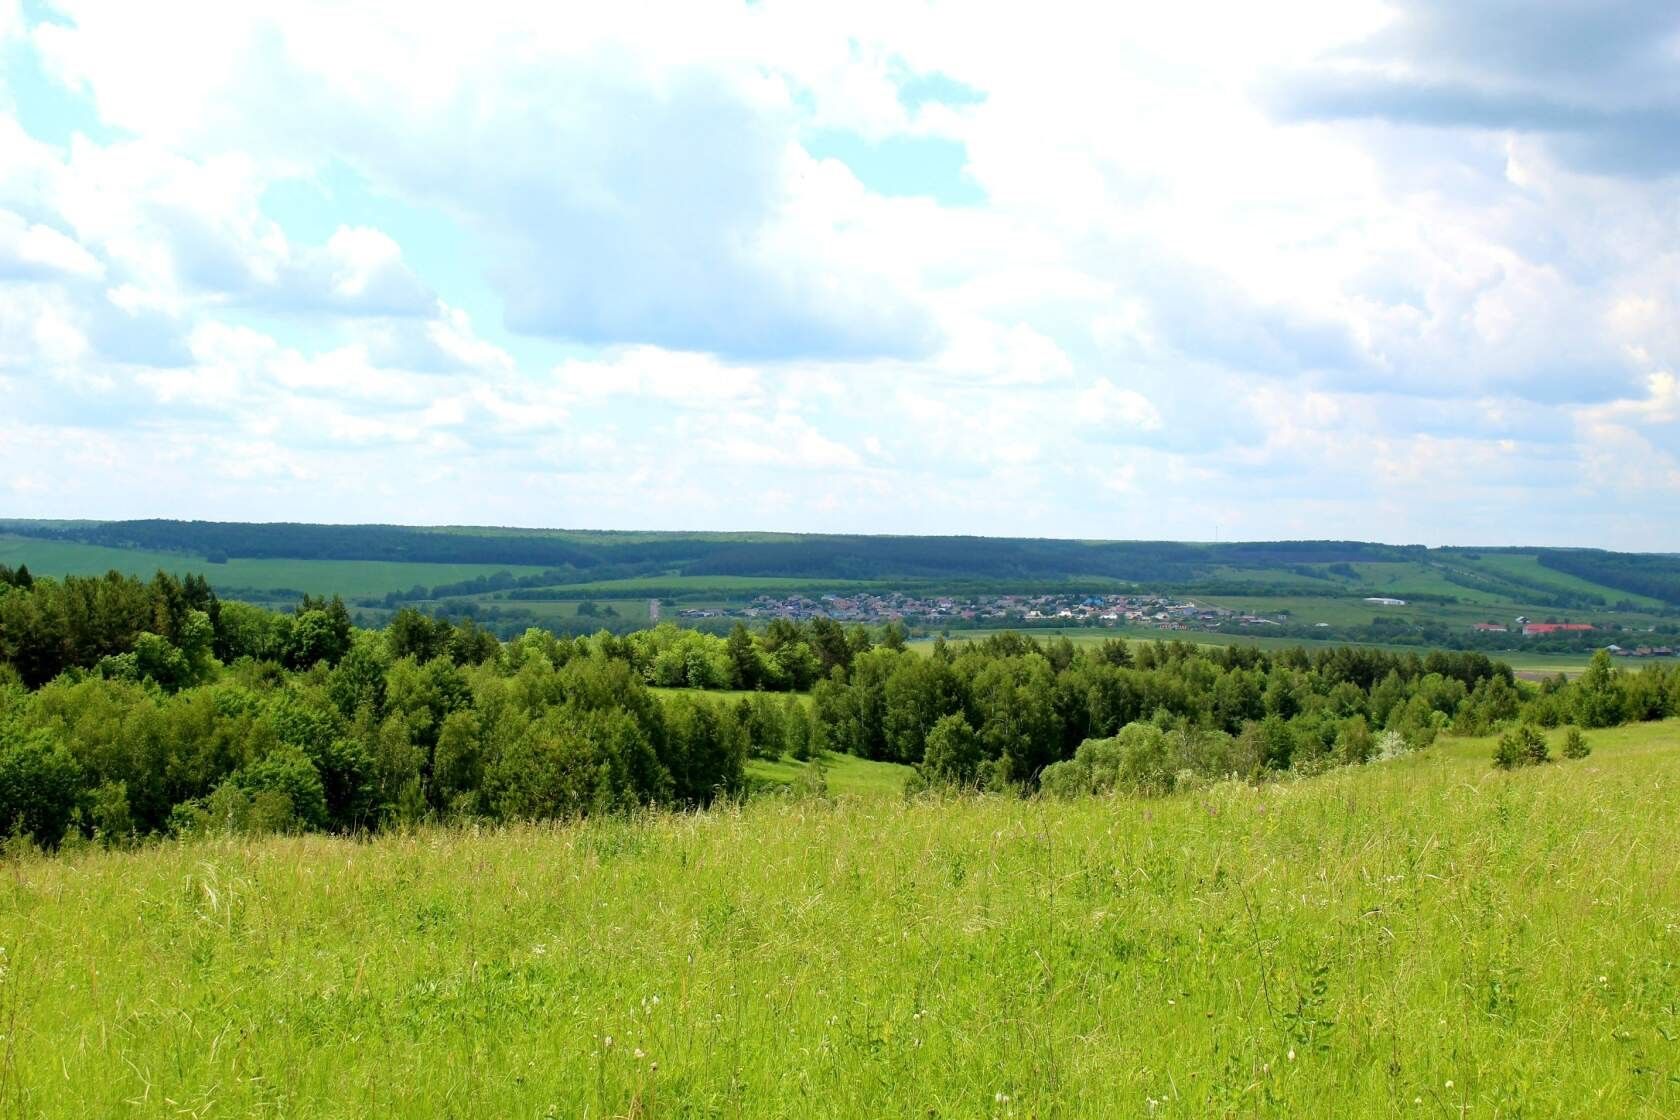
(131, 709)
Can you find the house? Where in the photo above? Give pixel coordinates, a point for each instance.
(1489, 628)
(1536, 629)
(1385, 601)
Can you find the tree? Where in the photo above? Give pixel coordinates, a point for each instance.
(1598, 694)
(412, 634)
(40, 785)
(952, 755)
(746, 665)
(1575, 744)
(796, 730)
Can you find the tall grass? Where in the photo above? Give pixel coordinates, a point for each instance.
(1424, 937)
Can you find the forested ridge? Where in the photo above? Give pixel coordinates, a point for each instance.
(764, 554)
(134, 708)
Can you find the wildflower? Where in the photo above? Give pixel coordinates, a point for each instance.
(639, 1054)
(606, 1043)
(1292, 1053)
(1449, 1083)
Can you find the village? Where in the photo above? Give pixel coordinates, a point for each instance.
(1163, 612)
(1137, 610)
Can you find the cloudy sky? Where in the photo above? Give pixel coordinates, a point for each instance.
(1404, 271)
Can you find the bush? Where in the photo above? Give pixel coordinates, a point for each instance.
(1521, 746)
(1575, 744)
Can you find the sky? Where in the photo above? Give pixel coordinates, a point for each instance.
(1404, 271)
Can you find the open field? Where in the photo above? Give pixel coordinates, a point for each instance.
(1425, 937)
(845, 775)
(1528, 568)
(728, 694)
(349, 578)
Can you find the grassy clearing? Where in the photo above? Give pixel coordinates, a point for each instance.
(722, 694)
(738, 586)
(845, 775)
(1426, 937)
(1527, 567)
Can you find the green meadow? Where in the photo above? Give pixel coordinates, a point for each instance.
(350, 578)
(1423, 937)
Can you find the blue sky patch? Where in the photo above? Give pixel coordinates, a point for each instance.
(902, 166)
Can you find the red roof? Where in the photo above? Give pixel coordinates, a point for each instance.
(1555, 627)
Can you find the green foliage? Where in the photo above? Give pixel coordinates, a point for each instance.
(952, 755)
(1524, 745)
(1575, 744)
(1599, 699)
(40, 787)
(195, 711)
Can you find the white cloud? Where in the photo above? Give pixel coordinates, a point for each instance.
(32, 250)
(1171, 293)
(649, 373)
(1105, 405)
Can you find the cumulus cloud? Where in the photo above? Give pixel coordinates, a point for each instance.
(1288, 269)
(1596, 76)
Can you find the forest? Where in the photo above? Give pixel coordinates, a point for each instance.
(133, 709)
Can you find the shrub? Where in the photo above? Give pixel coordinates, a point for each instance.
(1521, 746)
(1575, 744)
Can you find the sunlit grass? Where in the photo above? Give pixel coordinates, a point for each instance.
(843, 775)
(1418, 938)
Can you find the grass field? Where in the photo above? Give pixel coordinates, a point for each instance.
(1419, 938)
(722, 694)
(740, 586)
(1527, 567)
(845, 775)
(349, 578)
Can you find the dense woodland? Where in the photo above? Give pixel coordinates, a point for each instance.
(132, 709)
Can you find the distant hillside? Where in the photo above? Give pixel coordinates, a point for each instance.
(375, 561)
(697, 554)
